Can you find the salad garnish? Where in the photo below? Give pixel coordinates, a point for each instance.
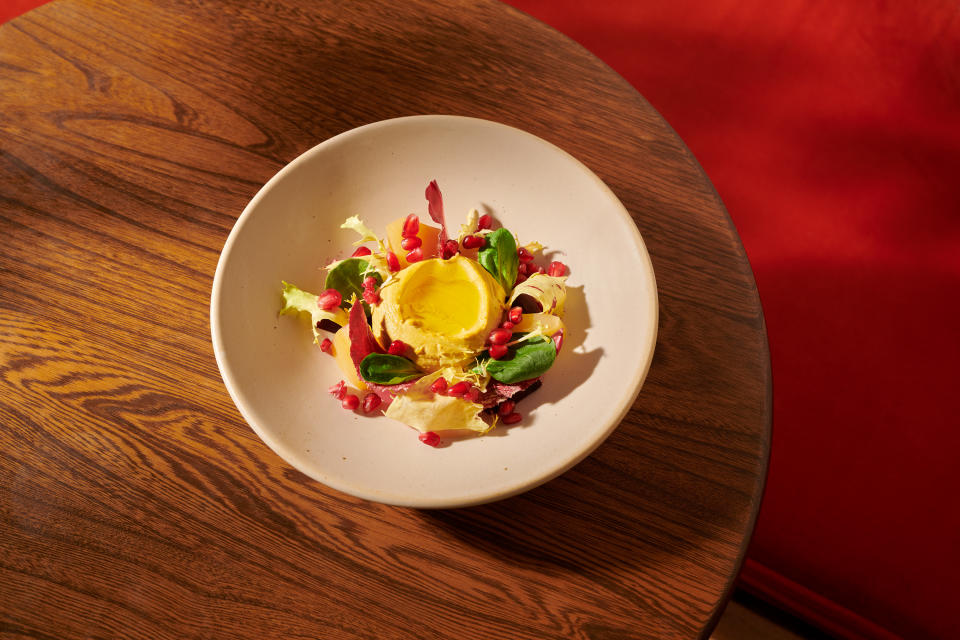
(443, 334)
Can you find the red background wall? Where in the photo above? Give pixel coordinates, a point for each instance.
(832, 132)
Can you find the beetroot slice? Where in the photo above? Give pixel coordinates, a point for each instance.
(435, 209)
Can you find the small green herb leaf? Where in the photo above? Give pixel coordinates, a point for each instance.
(524, 361)
(383, 368)
(347, 278)
(499, 257)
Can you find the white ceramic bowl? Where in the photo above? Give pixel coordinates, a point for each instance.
(290, 230)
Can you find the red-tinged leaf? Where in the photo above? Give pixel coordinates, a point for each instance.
(362, 342)
(497, 392)
(387, 393)
(435, 209)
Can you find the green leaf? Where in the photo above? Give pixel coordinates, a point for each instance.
(499, 257)
(383, 368)
(366, 233)
(347, 278)
(524, 361)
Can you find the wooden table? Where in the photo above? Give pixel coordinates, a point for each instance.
(134, 500)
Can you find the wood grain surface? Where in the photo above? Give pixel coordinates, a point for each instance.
(134, 500)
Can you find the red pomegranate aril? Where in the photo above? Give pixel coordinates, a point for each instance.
(338, 390)
(511, 418)
(329, 299)
(506, 407)
(458, 390)
(369, 282)
(411, 243)
(370, 402)
(350, 402)
(326, 346)
(371, 297)
(524, 268)
(473, 242)
(473, 395)
(411, 226)
(485, 222)
(397, 347)
(516, 315)
(430, 438)
(520, 279)
(393, 262)
(558, 340)
(524, 255)
(498, 351)
(450, 249)
(507, 325)
(557, 269)
(361, 251)
(416, 255)
(500, 336)
(439, 385)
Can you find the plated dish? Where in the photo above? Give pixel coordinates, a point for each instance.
(292, 229)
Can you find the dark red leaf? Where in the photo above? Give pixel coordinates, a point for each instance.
(497, 392)
(435, 209)
(362, 342)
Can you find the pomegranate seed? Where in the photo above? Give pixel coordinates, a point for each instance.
(370, 402)
(525, 255)
(473, 395)
(326, 345)
(361, 251)
(393, 262)
(369, 282)
(500, 336)
(473, 242)
(350, 402)
(507, 325)
(439, 385)
(416, 255)
(557, 269)
(411, 243)
(430, 438)
(411, 226)
(397, 347)
(516, 315)
(459, 389)
(520, 278)
(371, 297)
(450, 249)
(329, 299)
(506, 407)
(524, 268)
(558, 340)
(338, 390)
(485, 221)
(512, 418)
(498, 351)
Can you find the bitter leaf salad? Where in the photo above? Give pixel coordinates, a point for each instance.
(445, 333)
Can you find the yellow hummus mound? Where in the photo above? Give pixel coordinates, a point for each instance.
(442, 309)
